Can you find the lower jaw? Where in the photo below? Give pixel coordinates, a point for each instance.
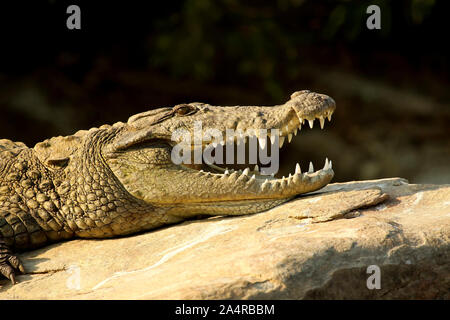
(239, 207)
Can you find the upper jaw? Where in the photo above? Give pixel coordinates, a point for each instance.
(290, 118)
(303, 107)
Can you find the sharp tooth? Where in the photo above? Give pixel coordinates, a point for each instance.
(256, 168)
(311, 167)
(262, 142)
(252, 178)
(272, 175)
(290, 175)
(329, 117)
(289, 137)
(325, 167)
(322, 122)
(286, 128)
(297, 169)
(281, 141)
(246, 171)
(265, 185)
(311, 123)
(295, 131)
(226, 172)
(282, 178)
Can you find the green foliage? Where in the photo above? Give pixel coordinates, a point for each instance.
(263, 42)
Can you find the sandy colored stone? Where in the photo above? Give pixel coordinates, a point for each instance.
(316, 246)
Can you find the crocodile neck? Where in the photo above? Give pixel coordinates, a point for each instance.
(39, 206)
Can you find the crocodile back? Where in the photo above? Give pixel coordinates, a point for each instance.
(8, 151)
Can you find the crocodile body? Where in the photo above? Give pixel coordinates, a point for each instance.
(119, 179)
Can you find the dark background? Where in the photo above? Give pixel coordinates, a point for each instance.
(391, 85)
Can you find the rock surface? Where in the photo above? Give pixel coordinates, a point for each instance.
(316, 246)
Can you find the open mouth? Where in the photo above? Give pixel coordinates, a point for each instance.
(267, 139)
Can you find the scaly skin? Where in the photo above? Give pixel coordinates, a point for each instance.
(119, 179)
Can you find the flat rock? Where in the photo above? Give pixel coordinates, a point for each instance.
(326, 245)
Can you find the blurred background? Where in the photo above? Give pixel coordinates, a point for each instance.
(391, 85)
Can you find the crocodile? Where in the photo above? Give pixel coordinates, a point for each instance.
(120, 179)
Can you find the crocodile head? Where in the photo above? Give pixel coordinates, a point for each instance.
(140, 156)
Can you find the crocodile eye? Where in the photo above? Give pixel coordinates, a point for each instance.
(184, 109)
